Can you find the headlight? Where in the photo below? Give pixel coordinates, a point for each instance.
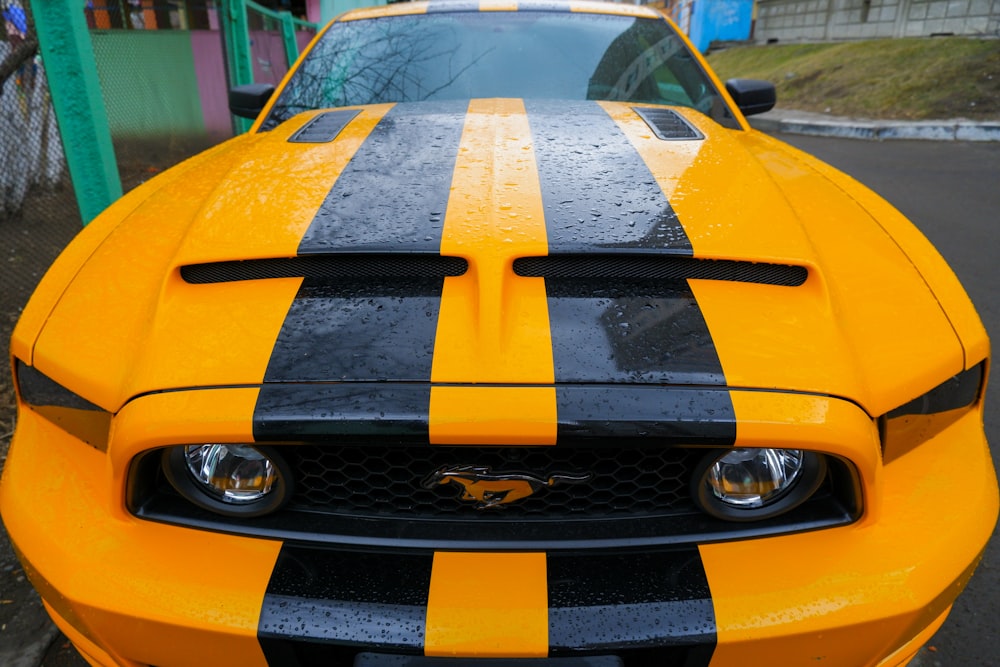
(231, 479)
(754, 484)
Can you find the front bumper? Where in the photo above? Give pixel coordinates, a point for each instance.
(133, 592)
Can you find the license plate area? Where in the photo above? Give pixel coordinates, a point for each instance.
(387, 660)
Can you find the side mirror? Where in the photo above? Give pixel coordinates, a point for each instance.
(249, 100)
(752, 96)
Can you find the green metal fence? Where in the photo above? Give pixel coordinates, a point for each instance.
(137, 86)
(262, 44)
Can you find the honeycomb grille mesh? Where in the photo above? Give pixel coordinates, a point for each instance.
(327, 267)
(663, 268)
(668, 125)
(387, 481)
(324, 127)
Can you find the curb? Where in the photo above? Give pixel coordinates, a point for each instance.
(33, 653)
(796, 122)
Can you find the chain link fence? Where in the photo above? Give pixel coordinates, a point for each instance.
(32, 165)
(162, 75)
(38, 210)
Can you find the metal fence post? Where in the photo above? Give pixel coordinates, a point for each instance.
(288, 37)
(76, 96)
(236, 33)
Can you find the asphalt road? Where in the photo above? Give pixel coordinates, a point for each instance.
(952, 192)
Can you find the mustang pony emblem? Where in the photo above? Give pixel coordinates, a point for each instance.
(492, 489)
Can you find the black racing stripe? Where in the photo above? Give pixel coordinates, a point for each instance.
(654, 605)
(322, 602)
(393, 193)
(598, 414)
(597, 191)
(600, 196)
(377, 413)
(358, 331)
(632, 331)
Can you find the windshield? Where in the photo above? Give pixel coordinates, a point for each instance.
(527, 54)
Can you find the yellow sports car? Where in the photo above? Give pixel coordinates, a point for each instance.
(501, 335)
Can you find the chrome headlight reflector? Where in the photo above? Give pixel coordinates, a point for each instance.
(751, 484)
(231, 479)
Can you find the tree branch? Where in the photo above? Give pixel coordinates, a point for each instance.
(21, 54)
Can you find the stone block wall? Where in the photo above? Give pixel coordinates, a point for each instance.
(819, 20)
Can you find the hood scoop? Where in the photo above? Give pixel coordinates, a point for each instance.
(324, 128)
(668, 125)
(328, 268)
(660, 268)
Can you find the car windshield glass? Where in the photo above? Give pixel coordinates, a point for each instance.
(464, 55)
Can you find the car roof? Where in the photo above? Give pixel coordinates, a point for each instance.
(579, 6)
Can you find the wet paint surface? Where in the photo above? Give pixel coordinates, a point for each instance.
(597, 191)
(630, 332)
(394, 192)
(358, 331)
(626, 602)
(634, 331)
(377, 413)
(630, 601)
(346, 598)
(660, 415)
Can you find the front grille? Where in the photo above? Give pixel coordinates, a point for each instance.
(374, 496)
(387, 481)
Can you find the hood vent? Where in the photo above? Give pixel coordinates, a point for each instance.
(324, 128)
(668, 125)
(659, 268)
(560, 267)
(328, 268)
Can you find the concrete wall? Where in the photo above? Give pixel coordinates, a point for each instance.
(815, 20)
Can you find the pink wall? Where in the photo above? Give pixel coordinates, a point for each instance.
(302, 38)
(313, 13)
(269, 66)
(210, 67)
(268, 52)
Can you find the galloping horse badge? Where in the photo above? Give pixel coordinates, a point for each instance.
(494, 490)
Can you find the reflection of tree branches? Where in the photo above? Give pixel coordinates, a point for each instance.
(402, 62)
(453, 78)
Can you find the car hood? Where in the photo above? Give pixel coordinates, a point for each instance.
(689, 255)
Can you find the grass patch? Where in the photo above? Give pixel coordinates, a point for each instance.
(908, 79)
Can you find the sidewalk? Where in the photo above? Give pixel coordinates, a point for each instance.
(824, 125)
